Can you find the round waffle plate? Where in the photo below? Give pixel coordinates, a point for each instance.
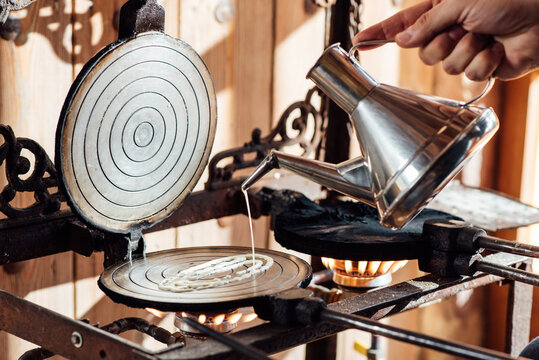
(136, 284)
(349, 231)
(135, 132)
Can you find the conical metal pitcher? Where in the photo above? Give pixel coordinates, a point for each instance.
(412, 144)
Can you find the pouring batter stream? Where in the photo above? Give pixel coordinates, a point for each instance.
(220, 271)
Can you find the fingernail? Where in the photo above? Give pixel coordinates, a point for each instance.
(403, 37)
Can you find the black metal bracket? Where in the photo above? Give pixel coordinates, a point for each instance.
(453, 248)
(292, 129)
(39, 179)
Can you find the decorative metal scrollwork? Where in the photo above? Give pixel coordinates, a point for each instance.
(354, 22)
(290, 130)
(324, 3)
(40, 180)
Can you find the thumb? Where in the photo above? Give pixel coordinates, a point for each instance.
(431, 23)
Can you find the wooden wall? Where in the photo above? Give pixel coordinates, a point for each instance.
(258, 55)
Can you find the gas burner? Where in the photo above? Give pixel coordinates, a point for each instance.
(221, 321)
(362, 274)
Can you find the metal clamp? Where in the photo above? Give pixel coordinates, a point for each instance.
(454, 248)
(353, 49)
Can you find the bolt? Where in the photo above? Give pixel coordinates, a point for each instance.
(13, 268)
(76, 339)
(224, 12)
(11, 29)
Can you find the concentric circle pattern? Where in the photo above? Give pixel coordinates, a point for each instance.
(138, 132)
(136, 284)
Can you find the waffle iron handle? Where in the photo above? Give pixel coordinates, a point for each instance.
(291, 309)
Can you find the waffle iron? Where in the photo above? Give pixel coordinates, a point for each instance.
(133, 138)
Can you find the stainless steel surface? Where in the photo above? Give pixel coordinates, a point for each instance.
(412, 144)
(136, 132)
(356, 47)
(488, 86)
(136, 283)
(483, 208)
(486, 89)
(341, 78)
(351, 177)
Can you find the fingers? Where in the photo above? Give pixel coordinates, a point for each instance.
(475, 55)
(465, 51)
(387, 29)
(485, 63)
(436, 27)
(441, 46)
(440, 17)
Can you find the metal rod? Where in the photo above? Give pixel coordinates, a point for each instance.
(512, 247)
(445, 346)
(36, 354)
(507, 272)
(247, 350)
(143, 326)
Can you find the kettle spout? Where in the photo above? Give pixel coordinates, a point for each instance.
(351, 177)
(268, 164)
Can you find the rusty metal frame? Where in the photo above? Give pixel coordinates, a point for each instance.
(24, 239)
(35, 324)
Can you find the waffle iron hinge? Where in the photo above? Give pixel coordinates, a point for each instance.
(138, 16)
(123, 247)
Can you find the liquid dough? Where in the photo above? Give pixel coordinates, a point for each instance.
(210, 274)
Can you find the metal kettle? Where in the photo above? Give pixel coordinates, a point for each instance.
(412, 144)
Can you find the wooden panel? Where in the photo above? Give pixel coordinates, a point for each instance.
(530, 187)
(35, 74)
(299, 41)
(517, 176)
(238, 52)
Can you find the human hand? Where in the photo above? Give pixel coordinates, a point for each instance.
(477, 37)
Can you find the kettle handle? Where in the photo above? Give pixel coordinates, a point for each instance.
(353, 49)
